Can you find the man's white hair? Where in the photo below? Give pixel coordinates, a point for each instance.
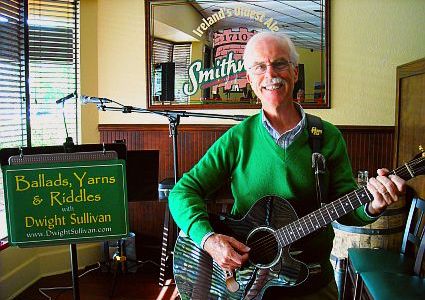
(279, 37)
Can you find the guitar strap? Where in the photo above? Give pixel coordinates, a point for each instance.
(315, 138)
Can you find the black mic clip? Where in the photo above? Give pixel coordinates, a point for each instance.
(63, 99)
(68, 145)
(127, 109)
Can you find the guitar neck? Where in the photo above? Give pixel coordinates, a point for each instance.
(334, 210)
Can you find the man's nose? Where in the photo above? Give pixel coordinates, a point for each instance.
(270, 71)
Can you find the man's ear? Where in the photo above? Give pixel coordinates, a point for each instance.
(248, 77)
(295, 74)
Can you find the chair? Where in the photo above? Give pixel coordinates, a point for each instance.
(362, 260)
(387, 285)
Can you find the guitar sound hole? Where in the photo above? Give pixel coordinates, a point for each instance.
(264, 247)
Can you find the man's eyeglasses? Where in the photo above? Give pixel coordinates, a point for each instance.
(279, 65)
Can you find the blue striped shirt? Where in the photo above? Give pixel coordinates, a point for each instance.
(286, 138)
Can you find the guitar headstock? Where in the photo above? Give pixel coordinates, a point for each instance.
(413, 168)
(417, 164)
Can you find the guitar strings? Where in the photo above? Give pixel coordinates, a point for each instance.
(289, 232)
(297, 226)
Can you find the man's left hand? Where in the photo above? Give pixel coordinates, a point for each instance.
(385, 189)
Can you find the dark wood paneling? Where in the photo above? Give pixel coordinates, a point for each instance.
(369, 148)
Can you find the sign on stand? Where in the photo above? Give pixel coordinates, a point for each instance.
(66, 202)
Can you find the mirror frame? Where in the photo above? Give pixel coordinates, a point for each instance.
(148, 50)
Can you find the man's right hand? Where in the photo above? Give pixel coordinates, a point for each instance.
(229, 253)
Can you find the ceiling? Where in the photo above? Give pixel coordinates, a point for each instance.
(301, 20)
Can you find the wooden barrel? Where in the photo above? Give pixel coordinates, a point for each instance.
(386, 232)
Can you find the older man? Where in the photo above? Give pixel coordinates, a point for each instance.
(269, 154)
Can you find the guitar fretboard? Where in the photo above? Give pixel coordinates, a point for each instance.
(323, 216)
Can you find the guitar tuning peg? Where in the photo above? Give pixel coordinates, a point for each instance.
(422, 150)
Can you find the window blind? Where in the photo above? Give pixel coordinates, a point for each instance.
(181, 56)
(12, 81)
(53, 69)
(162, 51)
(165, 51)
(12, 85)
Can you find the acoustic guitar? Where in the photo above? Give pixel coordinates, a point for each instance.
(269, 228)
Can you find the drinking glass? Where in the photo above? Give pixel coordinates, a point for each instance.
(362, 177)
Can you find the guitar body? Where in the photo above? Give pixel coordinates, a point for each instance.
(197, 276)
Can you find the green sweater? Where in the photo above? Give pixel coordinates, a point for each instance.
(256, 166)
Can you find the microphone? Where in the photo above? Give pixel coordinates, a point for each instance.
(95, 100)
(62, 100)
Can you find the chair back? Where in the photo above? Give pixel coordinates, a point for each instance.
(413, 238)
(419, 261)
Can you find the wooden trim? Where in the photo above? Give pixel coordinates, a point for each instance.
(234, 105)
(353, 128)
(328, 54)
(160, 127)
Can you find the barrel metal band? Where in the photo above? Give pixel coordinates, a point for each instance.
(394, 211)
(369, 231)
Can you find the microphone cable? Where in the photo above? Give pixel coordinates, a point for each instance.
(62, 100)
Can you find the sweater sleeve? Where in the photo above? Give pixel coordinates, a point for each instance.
(187, 198)
(342, 182)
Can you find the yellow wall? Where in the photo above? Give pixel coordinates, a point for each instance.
(121, 60)
(183, 17)
(312, 67)
(89, 70)
(369, 39)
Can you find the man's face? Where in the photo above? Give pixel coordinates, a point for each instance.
(270, 56)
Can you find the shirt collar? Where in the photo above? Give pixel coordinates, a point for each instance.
(275, 134)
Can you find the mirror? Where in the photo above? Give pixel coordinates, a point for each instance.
(194, 51)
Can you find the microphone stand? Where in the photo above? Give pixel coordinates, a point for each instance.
(174, 121)
(68, 146)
